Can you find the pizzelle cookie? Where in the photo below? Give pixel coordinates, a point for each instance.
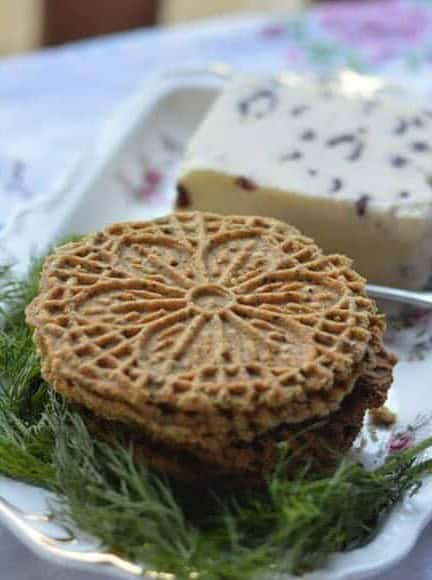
(239, 462)
(205, 331)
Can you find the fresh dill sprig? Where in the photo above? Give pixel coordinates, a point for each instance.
(106, 492)
(19, 362)
(26, 439)
(293, 525)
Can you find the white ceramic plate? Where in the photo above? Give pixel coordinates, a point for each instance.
(129, 174)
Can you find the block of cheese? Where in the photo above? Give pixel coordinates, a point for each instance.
(352, 170)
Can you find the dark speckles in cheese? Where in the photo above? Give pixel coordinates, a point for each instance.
(332, 162)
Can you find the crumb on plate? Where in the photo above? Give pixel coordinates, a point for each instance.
(383, 416)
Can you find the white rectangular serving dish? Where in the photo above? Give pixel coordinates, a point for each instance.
(128, 173)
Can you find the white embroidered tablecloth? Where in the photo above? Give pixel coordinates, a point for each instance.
(51, 103)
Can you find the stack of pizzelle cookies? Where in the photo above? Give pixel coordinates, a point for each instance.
(211, 340)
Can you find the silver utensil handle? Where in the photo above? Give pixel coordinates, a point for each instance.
(423, 299)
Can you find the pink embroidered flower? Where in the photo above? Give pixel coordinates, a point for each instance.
(401, 441)
(271, 31)
(381, 30)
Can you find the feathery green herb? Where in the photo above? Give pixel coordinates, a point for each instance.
(291, 526)
(26, 440)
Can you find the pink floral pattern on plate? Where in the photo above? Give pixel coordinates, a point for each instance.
(403, 438)
(145, 177)
(148, 186)
(401, 441)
